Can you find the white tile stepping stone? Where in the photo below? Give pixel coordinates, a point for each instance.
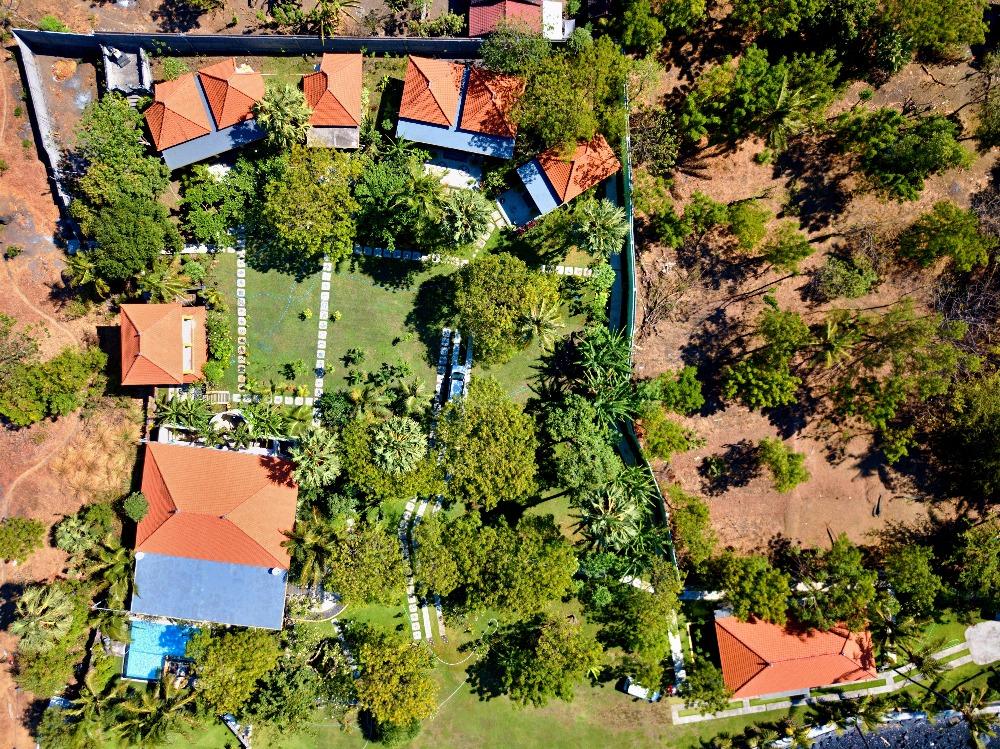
(309, 401)
(241, 272)
(322, 335)
(323, 324)
(318, 383)
(277, 400)
(240, 293)
(241, 331)
(326, 276)
(236, 398)
(319, 365)
(241, 283)
(320, 354)
(324, 286)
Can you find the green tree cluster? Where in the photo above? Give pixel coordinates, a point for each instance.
(229, 665)
(37, 390)
(947, 231)
(755, 589)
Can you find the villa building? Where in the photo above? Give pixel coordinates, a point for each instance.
(760, 658)
(541, 16)
(162, 344)
(462, 108)
(210, 547)
(551, 180)
(333, 93)
(201, 115)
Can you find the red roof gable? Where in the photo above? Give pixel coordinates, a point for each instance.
(762, 658)
(216, 505)
(590, 164)
(153, 344)
(431, 91)
(489, 102)
(231, 91)
(177, 113)
(334, 92)
(484, 17)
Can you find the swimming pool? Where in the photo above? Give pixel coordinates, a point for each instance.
(151, 643)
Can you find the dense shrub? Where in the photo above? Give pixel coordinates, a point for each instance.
(787, 467)
(851, 277)
(135, 506)
(57, 387)
(19, 538)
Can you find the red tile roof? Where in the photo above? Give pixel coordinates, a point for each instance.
(590, 164)
(762, 658)
(177, 113)
(484, 16)
(431, 91)
(334, 92)
(489, 102)
(152, 343)
(216, 505)
(231, 91)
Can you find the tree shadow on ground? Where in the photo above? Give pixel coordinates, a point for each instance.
(714, 254)
(433, 308)
(176, 16)
(388, 273)
(820, 194)
(264, 258)
(736, 467)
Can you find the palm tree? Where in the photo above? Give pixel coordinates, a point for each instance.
(398, 445)
(309, 546)
(605, 352)
(600, 228)
(187, 413)
(797, 733)
(109, 567)
(541, 323)
(165, 282)
(80, 271)
(759, 737)
(266, 420)
(467, 215)
(612, 517)
(43, 616)
(614, 400)
(426, 193)
(148, 716)
(835, 339)
(316, 459)
(970, 704)
(867, 713)
(790, 115)
(369, 400)
(239, 437)
(412, 396)
(300, 421)
(284, 114)
(325, 18)
(93, 710)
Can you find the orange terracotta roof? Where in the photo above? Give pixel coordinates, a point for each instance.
(590, 164)
(431, 91)
(489, 102)
(216, 505)
(484, 16)
(231, 92)
(152, 343)
(177, 113)
(334, 92)
(762, 658)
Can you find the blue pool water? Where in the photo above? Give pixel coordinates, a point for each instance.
(151, 643)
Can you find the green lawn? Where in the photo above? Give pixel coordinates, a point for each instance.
(276, 332)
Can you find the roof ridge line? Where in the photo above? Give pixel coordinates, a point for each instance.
(250, 538)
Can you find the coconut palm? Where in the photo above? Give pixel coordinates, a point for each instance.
(109, 567)
(542, 322)
(326, 17)
(93, 711)
(369, 400)
(300, 421)
(187, 413)
(796, 733)
(867, 715)
(759, 737)
(165, 282)
(80, 271)
(970, 703)
(239, 437)
(425, 195)
(43, 616)
(148, 716)
(467, 215)
(834, 339)
(412, 397)
(316, 459)
(284, 115)
(309, 546)
(266, 420)
(398, 445)
(600, 228)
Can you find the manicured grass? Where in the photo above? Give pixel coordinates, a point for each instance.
(769, 700)
(276, 334)
(290, 69)
(224, 273)
(947, 630)
(853, 687)
(389, 618)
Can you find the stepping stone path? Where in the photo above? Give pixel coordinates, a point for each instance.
(324, 324)
(241, 319)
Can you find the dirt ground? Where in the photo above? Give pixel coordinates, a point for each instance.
(843, 490)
